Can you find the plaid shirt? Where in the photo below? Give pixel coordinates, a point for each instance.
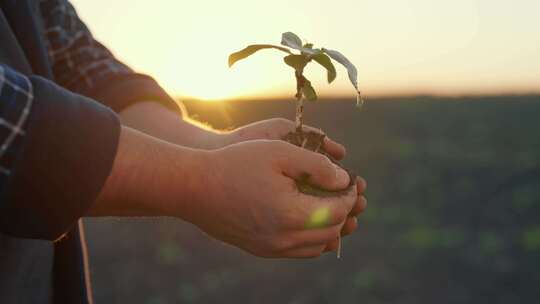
(78, 63)
(59, 91)
(49, 125)
(78, 60)
(16, 98)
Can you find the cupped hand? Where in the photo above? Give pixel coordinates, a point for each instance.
(275, 129)
(252, 201)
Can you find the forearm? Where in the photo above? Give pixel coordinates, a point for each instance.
(148, 178)
(158, 121)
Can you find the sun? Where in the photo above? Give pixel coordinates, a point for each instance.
(212, 85)
(201, 71)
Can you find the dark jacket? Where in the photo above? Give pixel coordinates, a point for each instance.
(59, 94)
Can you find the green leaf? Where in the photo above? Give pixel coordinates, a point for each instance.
(291, 40)
(250, 50)
(294, 42)
(325, 61)
(351, 70)
(297, 62)
(308, 46)
(309, 91)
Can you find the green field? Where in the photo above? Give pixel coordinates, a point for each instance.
(453, 217)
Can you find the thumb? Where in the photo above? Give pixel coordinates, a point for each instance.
(317, 168)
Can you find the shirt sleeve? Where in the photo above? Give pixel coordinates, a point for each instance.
(56, 152)
(83, 65)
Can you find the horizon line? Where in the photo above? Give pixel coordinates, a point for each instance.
(342, 98)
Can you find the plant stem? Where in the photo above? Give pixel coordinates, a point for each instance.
(300, 80)
(299, 114)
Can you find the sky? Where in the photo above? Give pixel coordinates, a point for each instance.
(401, 47)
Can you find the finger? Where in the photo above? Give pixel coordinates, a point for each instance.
(350, 225)
(315, 168)
(361, 184)
(312, 237)
(360, 206)
(348, 228)
(335, 149)
(316, 212)
(332, 246)
(305, 252)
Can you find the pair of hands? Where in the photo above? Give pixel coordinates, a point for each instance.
(249, 197)
(259, 207)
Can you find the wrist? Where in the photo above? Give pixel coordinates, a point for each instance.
(211, 140)
(187, 183)
(151, 177)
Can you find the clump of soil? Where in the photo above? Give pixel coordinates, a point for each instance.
(314, 141)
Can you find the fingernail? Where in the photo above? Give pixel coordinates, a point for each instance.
(342, 177)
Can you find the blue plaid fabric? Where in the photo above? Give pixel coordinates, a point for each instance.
(78, 60)
(16, 98)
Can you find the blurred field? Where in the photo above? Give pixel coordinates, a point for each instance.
(454, 215)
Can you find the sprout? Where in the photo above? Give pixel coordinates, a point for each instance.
(305, 53)
(298, 55)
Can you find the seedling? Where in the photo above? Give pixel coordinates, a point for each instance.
(305, 53)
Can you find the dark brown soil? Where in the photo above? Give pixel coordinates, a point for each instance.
(314, 142)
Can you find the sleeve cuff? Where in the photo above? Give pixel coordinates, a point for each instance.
(119, 91)
(65, 158)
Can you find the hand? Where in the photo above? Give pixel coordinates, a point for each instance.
(276, 128)
(251, 200)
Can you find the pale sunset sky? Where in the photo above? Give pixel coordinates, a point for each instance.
(456, 47)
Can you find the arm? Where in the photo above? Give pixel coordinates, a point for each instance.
(83, 65)
(57, 151)
(73, 159)
(243, 194)
(156, 120)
